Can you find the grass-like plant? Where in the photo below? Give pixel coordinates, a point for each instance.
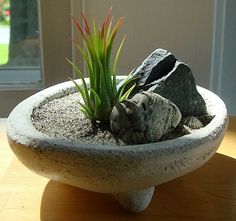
(102, 93)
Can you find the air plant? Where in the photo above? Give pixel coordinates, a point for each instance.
(102, 93)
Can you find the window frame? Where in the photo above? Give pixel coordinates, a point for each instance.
(11, 77)
(55, 45)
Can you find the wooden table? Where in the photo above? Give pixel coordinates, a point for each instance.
(208, 193)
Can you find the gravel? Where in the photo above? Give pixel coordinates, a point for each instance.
(61, 118)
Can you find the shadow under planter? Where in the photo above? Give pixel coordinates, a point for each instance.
(202, 194)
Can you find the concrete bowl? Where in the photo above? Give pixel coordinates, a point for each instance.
(130, 172)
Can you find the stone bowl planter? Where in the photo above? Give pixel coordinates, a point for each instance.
(131, 172)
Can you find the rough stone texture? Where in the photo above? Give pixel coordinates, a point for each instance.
(179, 87)
(179, 131)
(107, 168)
(192, 122)
(188, 125)
(161, 73)
(205, 119)
(144, 118)
(158, 64)
(61, 118)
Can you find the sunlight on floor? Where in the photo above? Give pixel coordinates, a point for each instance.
(229, 141)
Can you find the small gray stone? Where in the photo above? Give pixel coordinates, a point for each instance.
(144, 118)
(205, 119)
(192, 122)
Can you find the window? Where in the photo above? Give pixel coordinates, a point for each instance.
(24, 75)
(19, 42)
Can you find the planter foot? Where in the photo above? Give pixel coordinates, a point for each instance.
(135, 201)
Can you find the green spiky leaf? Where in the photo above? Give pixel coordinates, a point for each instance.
(102, 95)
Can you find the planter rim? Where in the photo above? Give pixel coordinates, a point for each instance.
(19, 125)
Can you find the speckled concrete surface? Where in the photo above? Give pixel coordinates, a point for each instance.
(113, 169)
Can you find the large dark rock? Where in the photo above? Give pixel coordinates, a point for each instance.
(155, 66)
(179, 87)
(161, 73)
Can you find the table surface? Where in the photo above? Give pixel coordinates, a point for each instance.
(208, 193)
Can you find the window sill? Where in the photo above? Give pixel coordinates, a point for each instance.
(21, 86)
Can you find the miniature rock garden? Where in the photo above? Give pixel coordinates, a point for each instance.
(157, 101)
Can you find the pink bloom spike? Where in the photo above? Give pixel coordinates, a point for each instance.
(117, 26)
(78, 26)
(108, 17)
(87, 29)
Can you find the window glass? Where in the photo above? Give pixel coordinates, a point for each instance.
(19, 42)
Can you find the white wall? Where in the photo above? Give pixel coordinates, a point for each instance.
(184, 27)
